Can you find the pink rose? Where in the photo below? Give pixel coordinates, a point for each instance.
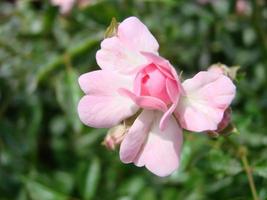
(133, 80)
(242, 7)
(65, 6)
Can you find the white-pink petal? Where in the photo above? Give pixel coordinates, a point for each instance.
(103, 106)
(136, 35)
(116, 56)
(103, 82)
(146, 145)
(105, 111)
(123, 52)
(174, 93)
(161, 152)
(136, 136)
(207, 96)
(146, 102)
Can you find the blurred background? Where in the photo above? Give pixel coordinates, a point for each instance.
(45, 151)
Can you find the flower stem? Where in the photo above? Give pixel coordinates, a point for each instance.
(244, 159)
(242, 153)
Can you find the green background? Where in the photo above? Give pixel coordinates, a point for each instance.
(45, 151)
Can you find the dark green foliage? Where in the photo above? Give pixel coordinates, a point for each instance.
(47, 154)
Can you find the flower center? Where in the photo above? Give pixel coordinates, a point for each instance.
(152, 82)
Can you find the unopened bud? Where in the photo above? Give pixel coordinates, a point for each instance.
(226, 120)
(231, 72)
(112, 28)
(114, 136)
(225, 127)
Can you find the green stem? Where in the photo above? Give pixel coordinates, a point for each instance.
(242, 153)
(244, 159)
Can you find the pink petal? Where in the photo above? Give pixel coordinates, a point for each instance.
(136, 35)
(161, 152)
(103, 106)
(173, 85)
(136, 136)
(122, 52)
(166, 117)
(173, 91)
(138, 84)
(105, 111)
(207, 96)
(103, 82)
(115, 55)
(154, 83)
(147, 102)
(163, 65)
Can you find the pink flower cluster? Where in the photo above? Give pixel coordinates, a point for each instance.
(66, 5)
(136, 83)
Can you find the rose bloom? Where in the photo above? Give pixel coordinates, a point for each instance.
(242, 7)
(66, 5)
(135, 82)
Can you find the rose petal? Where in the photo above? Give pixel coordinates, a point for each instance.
(103, 82)
(161, 152)
(136, 136)
(163, 65)
(122, 52)
(103, 106)
(174, 94)
(136, 35)
(146, 102)
(105, 111)
(207, 96)
(116, 56)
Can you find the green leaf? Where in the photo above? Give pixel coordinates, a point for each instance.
(58, 61)
(92, 179)
(68, 94)
(38, 191)
(133, 186)
(147, 194)
(261, 169)
(84, 141)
